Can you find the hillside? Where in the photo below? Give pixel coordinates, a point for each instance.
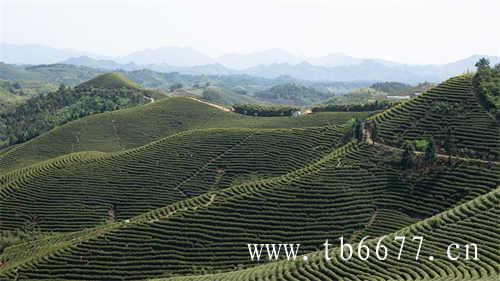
(133, 127)
(292, 93)
(449, 107)
(43, 112)
(169, 198)
(54, 73)
(112, 80)
(462, 222)
(225, 97)
(13, 93)
(174, 168)
(307, 205)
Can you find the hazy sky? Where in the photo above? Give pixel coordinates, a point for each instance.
(412, 31)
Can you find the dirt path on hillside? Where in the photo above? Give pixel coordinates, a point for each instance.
(367, 137)
(211, 104)
(150, 99)
(179, 186)
(193, 208)
(356, 234)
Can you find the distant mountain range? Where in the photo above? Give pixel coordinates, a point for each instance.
(270, 63)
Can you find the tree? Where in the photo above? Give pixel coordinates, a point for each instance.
(482, 63)
(449, 144)
(374, 130)
(358, 130)
(430, 152)
(408, 155)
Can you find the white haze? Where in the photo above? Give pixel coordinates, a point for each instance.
(409, 31)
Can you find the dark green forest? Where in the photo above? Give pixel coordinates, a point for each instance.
(41, 113)
(372, 106)
(264, 110)
(486, 84)
(293, 93)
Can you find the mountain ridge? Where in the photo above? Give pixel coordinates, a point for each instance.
(269, 63)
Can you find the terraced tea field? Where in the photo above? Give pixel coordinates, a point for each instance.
(462, 223)
(71, 193)
(308, 206)
(130, 128)
(175, 190)
(451, 105)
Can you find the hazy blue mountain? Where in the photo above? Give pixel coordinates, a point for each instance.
(334, 59)
(266, 57)
(35, 54)
(270, 63)
(176, 56)
(104, 64)
(207, 69)
(355, 70)
(369, 69)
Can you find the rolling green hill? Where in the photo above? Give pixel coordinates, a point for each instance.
(209, 233)
(43, 112)
(111, 80)
(133, 127)
(13, 93)
(449, 106)
(135, 181)
(471, 221)
(176, 189)
(225, 97)
(54, 73)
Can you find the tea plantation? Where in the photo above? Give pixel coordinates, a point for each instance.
(209, 233)
(452, 106)
(176, 189)
(133, 127)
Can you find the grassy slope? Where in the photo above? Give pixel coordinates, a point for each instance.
(451, 104)
(111, 80)
(135, 181)
(129, 128)
(210, 232)
(353, 191)
(471, 222)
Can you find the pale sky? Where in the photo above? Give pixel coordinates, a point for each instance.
(410, 31)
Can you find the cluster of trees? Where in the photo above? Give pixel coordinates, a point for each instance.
(400, 89)
(486, 83)
(12, 92)
(390, 87)
(264, 110)
(409, 158)
(44, 112)
(293, 93)
(373, 106)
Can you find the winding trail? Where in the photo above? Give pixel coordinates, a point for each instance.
(211, 104)
(150, 99)
(356, 234)
(179, 186)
